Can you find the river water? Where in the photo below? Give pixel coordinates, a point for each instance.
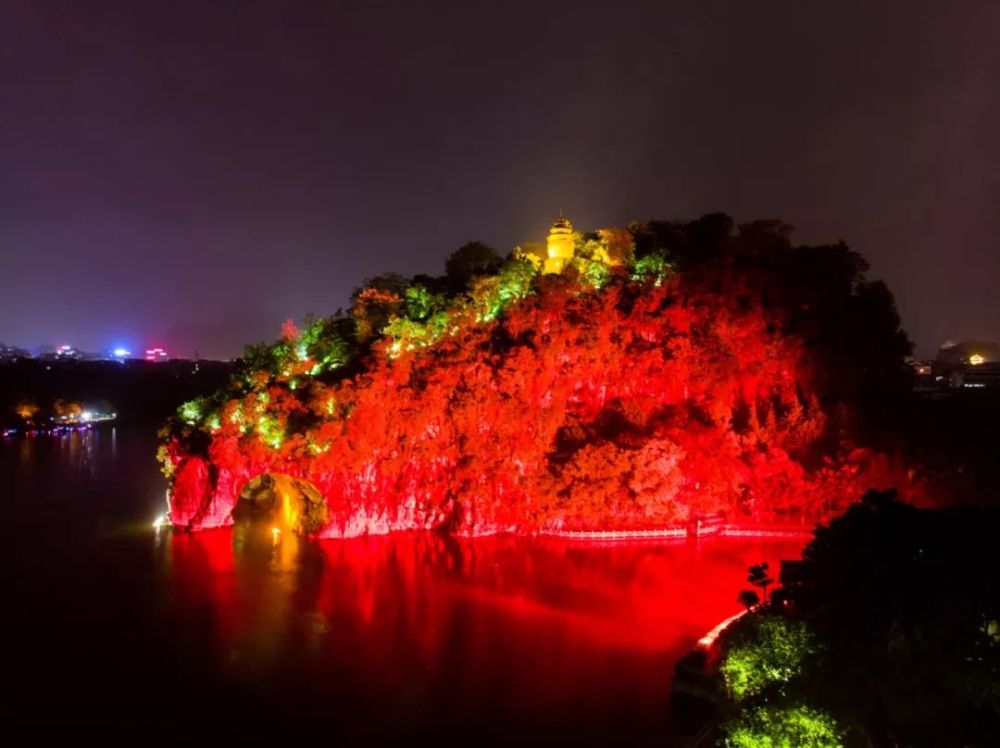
(110, 624)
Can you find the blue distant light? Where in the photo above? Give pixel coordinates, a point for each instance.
(121, 353)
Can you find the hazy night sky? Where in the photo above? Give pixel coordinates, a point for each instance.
(194, 173)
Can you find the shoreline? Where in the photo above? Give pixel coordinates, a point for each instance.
(669, 534)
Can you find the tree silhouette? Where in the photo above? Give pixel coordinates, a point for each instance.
(468, 261)
(904, 603)
(749, 598)
(758, 577)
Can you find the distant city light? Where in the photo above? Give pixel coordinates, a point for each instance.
(121, 353)
(67, 351)
(976, 359)
(156, 354)
(159, 522)
(82, 417)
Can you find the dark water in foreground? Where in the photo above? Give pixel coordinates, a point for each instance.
(110, 624)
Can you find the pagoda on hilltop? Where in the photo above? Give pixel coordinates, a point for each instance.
(560, 245)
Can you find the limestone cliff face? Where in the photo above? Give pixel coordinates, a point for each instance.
(627, 407)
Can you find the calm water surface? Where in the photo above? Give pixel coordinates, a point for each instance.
(110, 624)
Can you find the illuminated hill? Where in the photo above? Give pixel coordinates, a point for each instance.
(662, 374)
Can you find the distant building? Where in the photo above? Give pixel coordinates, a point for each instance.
(967, 365)
(68, 353)
(12, 353)
(923, 375)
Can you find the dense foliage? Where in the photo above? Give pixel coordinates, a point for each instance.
(767, 650)
(671, 371)
(783, 727)
(902, 610)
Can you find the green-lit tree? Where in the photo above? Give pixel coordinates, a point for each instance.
(783, 727)
(763, 651)
(907, 601)
(374, 303)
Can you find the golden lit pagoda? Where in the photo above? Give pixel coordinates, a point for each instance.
(560, 245)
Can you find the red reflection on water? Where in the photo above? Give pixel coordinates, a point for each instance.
(425, 622)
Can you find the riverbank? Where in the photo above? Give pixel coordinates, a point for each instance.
(35, 392)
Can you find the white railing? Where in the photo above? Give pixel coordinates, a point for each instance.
(668, 532)
(728, 530)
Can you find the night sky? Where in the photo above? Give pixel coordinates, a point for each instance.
(192, 174)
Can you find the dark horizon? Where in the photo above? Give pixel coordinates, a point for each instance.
(192, 175)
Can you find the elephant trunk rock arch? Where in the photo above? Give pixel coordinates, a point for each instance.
(291, 502)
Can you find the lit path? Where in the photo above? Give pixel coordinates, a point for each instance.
(709, 639)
